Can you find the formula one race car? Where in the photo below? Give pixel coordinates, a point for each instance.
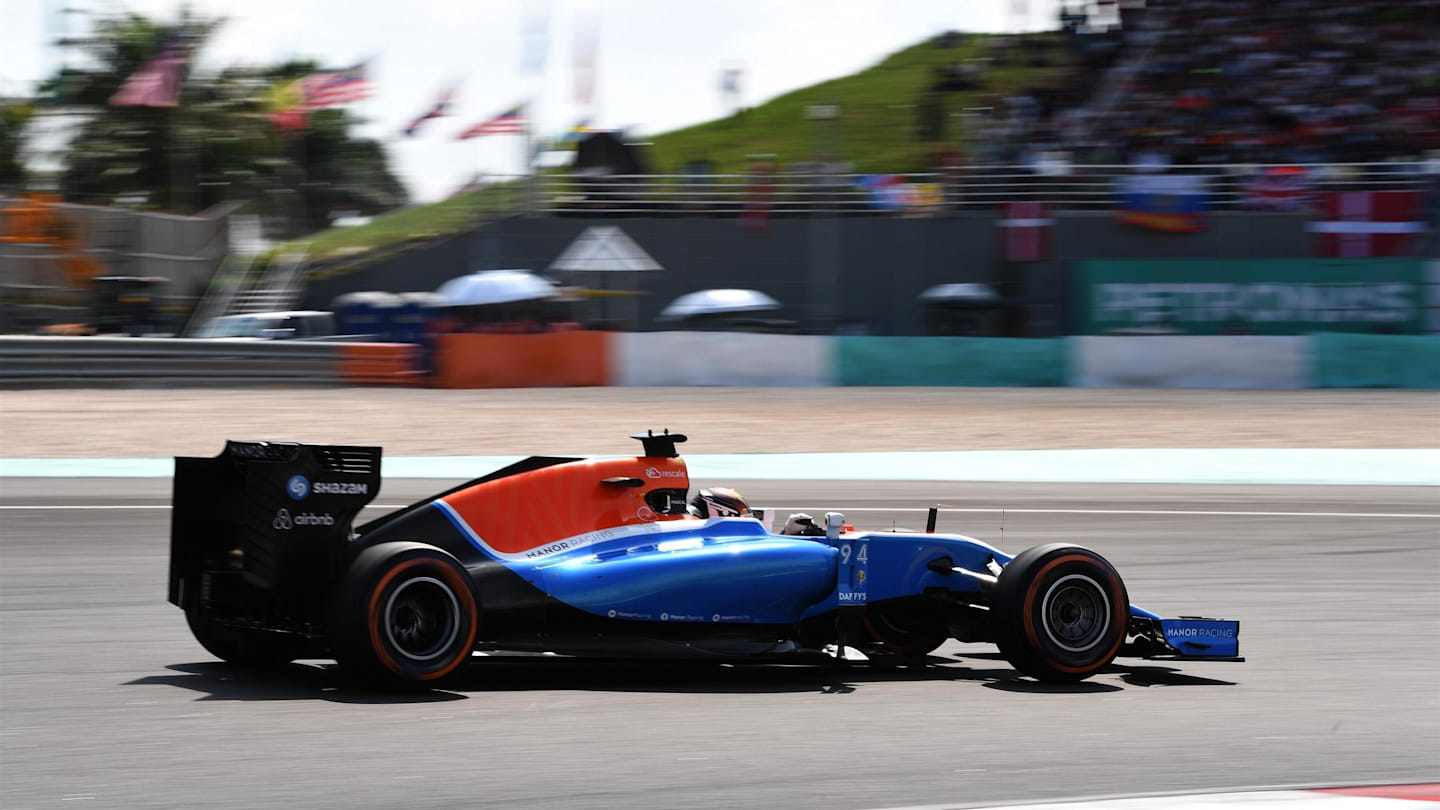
(601, 557)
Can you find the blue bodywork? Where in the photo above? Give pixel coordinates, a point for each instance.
(734, 571)
(737, 571)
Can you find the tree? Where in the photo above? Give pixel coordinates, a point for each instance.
(14, 116)
(218, 144)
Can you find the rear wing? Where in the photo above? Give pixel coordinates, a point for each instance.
(260, 527)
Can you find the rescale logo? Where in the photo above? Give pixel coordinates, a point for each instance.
(656, 472)
(297, 487)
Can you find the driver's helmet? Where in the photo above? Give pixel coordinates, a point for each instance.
(719, 502)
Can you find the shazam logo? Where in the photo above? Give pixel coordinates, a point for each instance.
(297, 487)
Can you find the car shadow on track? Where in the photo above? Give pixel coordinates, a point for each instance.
(214, 680)
(1132, 674)
(530, 674)
(1166, 676)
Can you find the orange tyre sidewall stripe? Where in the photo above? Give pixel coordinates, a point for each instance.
(1027, 611)
(372, 617)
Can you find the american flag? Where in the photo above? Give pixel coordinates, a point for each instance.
(336, 87)
(157, 82)
(510, 121)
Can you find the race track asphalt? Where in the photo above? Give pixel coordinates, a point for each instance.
(105, 700)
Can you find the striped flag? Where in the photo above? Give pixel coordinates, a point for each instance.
(286, 105)
(157, 82)
(509, 122)
(336, 87)
(1025, 227)
(439, 109)
(1367, 223)
(534, 37)
(1279, 188)
(587, 42)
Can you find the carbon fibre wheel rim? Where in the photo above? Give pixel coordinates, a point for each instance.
(422, 619)
(1076, 613)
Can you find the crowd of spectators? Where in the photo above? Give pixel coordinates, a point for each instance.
(1225, 81)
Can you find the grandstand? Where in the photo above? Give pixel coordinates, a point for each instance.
(1212, 82)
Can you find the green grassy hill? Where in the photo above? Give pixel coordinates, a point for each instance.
(878, 126)
(878, 129)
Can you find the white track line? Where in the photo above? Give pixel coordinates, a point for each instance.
(1255, 799)
(943, 510)
(1203, 512)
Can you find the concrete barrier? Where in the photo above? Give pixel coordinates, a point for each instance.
(947, 361)
(1189, 361)
(566, 359)
(1375, 361)
(721, 358)
(554, 359)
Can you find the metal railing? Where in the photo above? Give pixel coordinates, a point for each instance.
(61, 361)
(975, 188)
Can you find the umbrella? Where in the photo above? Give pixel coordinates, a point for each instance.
(373, 299)
(973, 294)
(495, 287)
(717, 302)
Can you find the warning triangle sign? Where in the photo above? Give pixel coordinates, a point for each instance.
(604, 249)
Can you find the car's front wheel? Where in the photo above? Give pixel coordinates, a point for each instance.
(1059, 612)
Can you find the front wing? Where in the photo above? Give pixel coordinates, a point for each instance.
(1188, 637)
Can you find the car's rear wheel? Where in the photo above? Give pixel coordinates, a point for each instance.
(1059, 612)
(406, 616)
(243, 646)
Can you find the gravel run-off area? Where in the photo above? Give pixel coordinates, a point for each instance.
(122, 423)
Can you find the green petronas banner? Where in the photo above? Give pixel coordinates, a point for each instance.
(1248, 296)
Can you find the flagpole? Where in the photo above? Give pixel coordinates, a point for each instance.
(532, 177)
(173, 139)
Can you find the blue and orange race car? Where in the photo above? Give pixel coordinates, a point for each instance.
(601, 557)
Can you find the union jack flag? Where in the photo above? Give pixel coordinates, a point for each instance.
(510, 121)
(157, 82)
(336, 87)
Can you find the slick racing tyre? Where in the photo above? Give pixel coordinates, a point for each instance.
(251, 648)
(406, 616)
(1059, 612)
